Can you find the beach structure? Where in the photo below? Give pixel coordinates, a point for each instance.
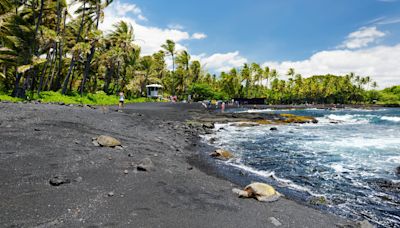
(154, 91)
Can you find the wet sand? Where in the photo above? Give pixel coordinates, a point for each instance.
(41, 141)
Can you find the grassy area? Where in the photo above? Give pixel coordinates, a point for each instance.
(99, 98)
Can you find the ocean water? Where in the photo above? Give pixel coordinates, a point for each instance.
(349, 157)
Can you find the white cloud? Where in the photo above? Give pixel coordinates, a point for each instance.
(362, 38)
(176, 26)
(381, 63)
(385, 20)
(199, 36)
(149, 38)
(221, 61)
(125, 8)
(142, 18)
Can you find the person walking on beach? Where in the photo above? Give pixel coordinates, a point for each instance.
(121, 99)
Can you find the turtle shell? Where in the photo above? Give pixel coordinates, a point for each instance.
(108, 141)
(262, 192)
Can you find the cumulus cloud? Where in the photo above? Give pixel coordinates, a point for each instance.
(199, 36)
(221, 61)
(149, 38)
(381, 63)
(125, 8)
(362, 37)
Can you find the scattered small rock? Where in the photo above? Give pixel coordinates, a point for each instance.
(78, 179)
(77, 142)
(275, 221)
(126, 171)
(208, 125)
(59, 180)
(318, 200)
(110, 194)
(273, 129)
(119, 147)
(8, 126)
(109, 158)
(145, 165)
(190, 168)
(130, 155)
(36, 129)
(212, 140)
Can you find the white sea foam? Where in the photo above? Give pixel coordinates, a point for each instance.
(260, 110)
(391, 118)
(271, 174)
(338, 168)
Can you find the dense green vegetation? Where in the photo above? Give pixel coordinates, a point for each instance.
(390, 95)
(45, 54)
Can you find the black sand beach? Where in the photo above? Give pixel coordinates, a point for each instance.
(41, 141)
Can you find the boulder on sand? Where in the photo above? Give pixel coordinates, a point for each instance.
(145, 165)
(107, 141)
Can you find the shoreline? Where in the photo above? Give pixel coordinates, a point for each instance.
(45, 140)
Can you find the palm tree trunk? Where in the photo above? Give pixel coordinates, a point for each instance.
(72, 78)
(43, 73)
(108, 78)
(60, 50)
(65, 84)
(92, 51)
(18, 77)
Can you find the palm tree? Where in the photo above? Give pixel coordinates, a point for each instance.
(266, 75)
(97, 13)
(83, 12)
(195, 69)
(183, 59)
(169, 47)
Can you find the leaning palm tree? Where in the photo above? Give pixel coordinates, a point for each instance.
(169, 47)
(97, 14)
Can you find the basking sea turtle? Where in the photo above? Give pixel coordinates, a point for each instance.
(108, 141)
(221, 154)
(260, 191)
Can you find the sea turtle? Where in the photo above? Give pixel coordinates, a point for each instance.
(221, 154)
(260, 191)
(108, 141)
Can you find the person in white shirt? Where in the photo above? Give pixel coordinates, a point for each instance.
(121, 99)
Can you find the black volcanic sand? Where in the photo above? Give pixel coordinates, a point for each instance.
(42, 141)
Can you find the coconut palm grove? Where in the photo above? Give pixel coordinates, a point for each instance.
(47, 51)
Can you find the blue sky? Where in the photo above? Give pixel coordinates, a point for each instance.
(273, 32)
(274, 29)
